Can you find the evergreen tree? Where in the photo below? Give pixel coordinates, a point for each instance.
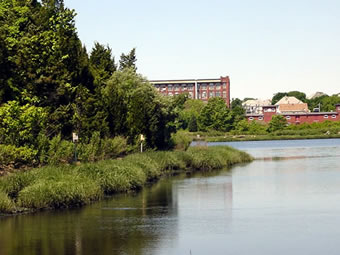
(128, 61)
(192, 126)
(102, 63)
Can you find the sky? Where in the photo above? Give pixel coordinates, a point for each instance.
(264, 46)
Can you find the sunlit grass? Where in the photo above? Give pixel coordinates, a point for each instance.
(53, 187)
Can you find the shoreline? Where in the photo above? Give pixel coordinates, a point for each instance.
(68, 186)
(239, 138)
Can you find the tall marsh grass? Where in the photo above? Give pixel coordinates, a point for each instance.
(69, 186)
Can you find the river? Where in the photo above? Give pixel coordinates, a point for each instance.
(285, 202)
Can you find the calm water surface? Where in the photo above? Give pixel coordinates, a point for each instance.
(285, 202)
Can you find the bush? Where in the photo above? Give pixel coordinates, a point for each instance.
(60, 151)
(16, 156)
(181, 140)
(115, 147)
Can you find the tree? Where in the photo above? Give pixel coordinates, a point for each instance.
(278, 122)
(192, 126)
(128, 61)
(134, 107)
(102, 63)
(215, 115)
(276, 98)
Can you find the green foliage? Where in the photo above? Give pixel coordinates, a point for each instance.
(69, 190)
(135, 108)
(278, 122)
(16, 156)
(215, 115)
(20, 125)
(60, 151)
(182, 140)
(6, 204)
(192, 126)
(297, 94)
(102, 63)
(69, 186)
(128, 61)
(188, 113)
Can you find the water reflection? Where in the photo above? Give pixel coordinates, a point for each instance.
(125, 224)
(286, 202)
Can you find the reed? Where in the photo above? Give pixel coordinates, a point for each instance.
(53, 187)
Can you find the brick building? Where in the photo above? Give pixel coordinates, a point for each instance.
(201, 89)
(295, 117)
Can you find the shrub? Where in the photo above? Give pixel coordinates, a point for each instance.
(11, 155)
(181, 140)
(60, 151)
(115, 147)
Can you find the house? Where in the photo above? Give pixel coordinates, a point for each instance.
(291, 105)
(255, 105)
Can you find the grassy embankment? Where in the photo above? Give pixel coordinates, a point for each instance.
(315, 133)
(54, 187)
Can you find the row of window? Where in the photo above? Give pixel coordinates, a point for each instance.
(190, 86)
(218, 85)
(288, 117)
(191, 94)
(205, 94)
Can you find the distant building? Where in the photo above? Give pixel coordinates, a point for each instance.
(255, 105)
(295, 117)
(291, 105)
(201, 89)
(316, 95)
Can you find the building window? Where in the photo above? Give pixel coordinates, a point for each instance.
(325, 116)
(333, 116)
(191, 95)
(211, 94)
(176, 88)
(190, 87)
(184, 87)
(203, 86)
(260, 118)
(218, 94)
(170, 87)
(224, 95)
(218, 85)
(224, 85)
(211, 85)
(163, 88)
(204, 95)
(250, 118)
(288, 117)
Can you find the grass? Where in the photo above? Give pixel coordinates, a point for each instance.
(54, 187)
(267, 137)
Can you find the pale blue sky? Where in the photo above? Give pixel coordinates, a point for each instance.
(264, 46)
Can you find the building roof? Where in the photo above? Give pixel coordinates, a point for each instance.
(303, 107)
(289, 100)
(186, 81)
(256, 102)
(316, 95)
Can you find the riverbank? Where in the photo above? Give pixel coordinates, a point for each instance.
(238, 138)
(54, 187)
